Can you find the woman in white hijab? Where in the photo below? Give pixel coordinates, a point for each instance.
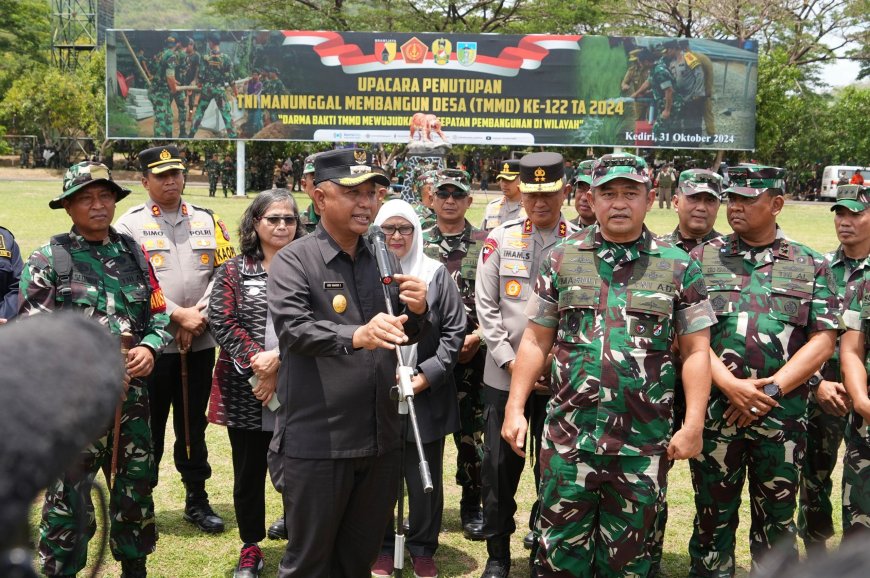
(435, 397)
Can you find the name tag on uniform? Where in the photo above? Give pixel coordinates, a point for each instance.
(253, 282)
(333, 285)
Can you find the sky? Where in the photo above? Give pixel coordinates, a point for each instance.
(840, 73)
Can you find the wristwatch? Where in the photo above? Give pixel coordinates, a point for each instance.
(814, 381)
(773, 390)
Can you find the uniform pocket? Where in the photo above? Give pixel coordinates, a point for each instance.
(792, 307)
(648, 320)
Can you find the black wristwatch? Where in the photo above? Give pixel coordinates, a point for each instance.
(814, 381)
(773, 390)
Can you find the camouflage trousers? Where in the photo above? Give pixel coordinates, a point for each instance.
(228, 181)
(161, 100)
(596, 514)
(469, 438)
(815, 512)
(133, 534)
(210, 92)
(212, 185)
(772, 458)
(856, 477)
(180, 99)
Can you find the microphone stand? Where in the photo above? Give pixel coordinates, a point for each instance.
(406, 408)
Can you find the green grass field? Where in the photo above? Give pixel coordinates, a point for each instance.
(184, 552)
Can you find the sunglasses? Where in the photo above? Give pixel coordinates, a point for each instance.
(276, 220)
(457, 194)
(403, 230)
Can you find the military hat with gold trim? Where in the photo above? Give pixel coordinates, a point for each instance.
(542, 173)
(695, 181)
(856, 198)
(619, 166)
(83, 174)
(160, 159)
(348, 168)
(510, 170)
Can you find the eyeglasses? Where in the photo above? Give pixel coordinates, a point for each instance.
(403, 230)
(275, 220)
(457, 194)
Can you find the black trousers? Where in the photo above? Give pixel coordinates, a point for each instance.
(502, 468)
(336, 511)
(164, 389)
(425, 511)
(249, 472)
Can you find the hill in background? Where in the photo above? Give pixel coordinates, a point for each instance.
(176, 15)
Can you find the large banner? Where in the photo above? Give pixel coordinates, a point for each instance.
(567, 90)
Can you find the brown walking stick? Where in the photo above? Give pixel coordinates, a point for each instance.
(127, 344)
(185, 395)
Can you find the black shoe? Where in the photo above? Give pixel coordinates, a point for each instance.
(250, 562)
(496, 568)
(133, 568)
(203, 517)
(472, 525)
(529, 540)
(278, 530)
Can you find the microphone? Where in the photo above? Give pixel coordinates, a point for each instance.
(379, 246)
(57, 394)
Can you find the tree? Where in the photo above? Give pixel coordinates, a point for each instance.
(24, 38)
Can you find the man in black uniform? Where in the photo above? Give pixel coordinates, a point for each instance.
(338, 429)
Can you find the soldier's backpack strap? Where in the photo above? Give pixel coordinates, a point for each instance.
(139, 254)
(63, 265)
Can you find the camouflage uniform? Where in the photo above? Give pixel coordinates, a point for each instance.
(825, 431)
(107, 285)
(617, 310)
(228, 175)
(856, 462)
(427, 216)
(309, 218)
(213, 169)
(182, 68)
(159, 94)
(216, 73)
(459, 254)
(660, 79)
(769, 300)
(657, 538)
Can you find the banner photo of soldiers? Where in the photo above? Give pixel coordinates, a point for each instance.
(432, 88)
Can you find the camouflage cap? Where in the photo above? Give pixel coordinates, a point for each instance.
(695, 181)
(427, 178)
(856, 198)
(619, 166)
(583, 173)
(754, 180)
(308, 165)
(83, 174)
(456, 177)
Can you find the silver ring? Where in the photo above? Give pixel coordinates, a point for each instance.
(753, 410)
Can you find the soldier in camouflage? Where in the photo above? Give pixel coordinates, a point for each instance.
(778, 312)
(228, 174)
(829, 404)
(212, 168)
(309, 218)
(215, 75)
(104, 275)
(425, 188)
(179, 97)
(661, 85)
(456, 243)
(855, 362)
(163, 89)
(697, 206)
(582, 183)
(610, 302)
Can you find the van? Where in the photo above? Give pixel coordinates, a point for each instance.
(839, 174)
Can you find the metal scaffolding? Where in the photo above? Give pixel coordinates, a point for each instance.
(78, 27)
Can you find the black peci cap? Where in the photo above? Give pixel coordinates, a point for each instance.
(347, 167)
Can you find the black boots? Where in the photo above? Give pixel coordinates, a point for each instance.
(498, 565)
(198, 511)
(133, 568)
